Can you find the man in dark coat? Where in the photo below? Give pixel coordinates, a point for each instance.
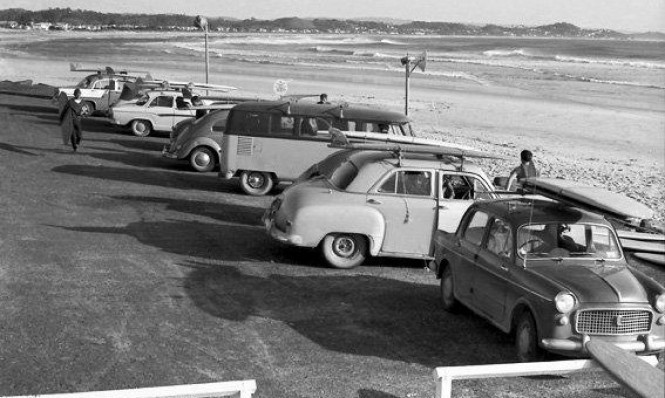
(70, 120)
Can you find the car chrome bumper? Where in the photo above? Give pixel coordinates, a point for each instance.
(280, 235)
(643, 344)
(167, 154)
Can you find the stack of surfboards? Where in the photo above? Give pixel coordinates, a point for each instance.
(644, 246)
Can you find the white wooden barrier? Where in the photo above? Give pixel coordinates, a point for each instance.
(446, 374)
(237, 389)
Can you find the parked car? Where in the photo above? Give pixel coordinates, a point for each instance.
(381, 203)
(552, 274)
(156, 110)
(268, 142)
(198, 140)
(99, 91)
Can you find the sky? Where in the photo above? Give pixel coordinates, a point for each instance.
(621, 15)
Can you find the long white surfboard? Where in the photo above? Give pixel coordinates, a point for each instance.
(588, 197)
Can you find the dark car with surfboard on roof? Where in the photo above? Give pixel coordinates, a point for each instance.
(550, 269)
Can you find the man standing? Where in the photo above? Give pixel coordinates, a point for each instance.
(323, 99)
(525, 170)
(70, 120)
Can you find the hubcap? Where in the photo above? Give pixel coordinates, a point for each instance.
(344, 246)
(256, 180)
(202, 159)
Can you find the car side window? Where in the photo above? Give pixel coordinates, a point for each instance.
(220, 123)
(463, 187)
(408, 182)
(500, 238)
(282, 125)
(475, 229)
(162, 101)
(314, 127)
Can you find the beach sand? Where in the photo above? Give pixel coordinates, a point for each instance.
(612, 138)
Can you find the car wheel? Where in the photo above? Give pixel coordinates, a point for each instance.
(526, 339)
(87, 108)
(256, 183)
(202, 159)
(448, 300)
(344, 250)
(141, 128)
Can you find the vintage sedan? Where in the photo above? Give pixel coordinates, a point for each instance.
(380, 203)
(156, 110)
(552, 274)
(199, 140)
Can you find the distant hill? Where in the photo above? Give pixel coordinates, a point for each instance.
(84, 19)
(655, 36)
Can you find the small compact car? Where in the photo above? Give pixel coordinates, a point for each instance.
(552, 274)
(381, 203)
(199, 140)
(156, 110)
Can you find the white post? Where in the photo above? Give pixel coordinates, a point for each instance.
(206, 51)
(406, 88)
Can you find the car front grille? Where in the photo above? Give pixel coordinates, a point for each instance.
(613, 322)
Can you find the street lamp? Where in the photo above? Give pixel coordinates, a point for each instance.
(202, 23)
(407, 61)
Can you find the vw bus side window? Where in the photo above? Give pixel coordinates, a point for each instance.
(249, 123)
(314, 127)
(282, 125)
(220, 123)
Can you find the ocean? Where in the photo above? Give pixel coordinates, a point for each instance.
(482, 60)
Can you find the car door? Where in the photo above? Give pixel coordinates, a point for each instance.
(493, 270)
(161, 112)
(180, 114)
(406, 200)
(456, 192)
(470, 238)
(114, 91)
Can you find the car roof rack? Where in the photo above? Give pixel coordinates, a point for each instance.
(398, 146)
(176, 85)
(107, 70)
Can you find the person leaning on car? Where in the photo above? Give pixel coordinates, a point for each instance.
(526, 169)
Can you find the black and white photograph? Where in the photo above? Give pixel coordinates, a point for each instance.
(332, 199)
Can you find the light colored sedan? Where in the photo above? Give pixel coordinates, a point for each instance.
(358, 203)
(157, 110)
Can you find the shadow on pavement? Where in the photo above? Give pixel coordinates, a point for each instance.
(167, 179)
(354, 314)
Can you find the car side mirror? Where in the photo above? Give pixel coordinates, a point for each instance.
(501, 182)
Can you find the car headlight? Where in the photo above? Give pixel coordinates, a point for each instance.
(659, 304)
(565, 302)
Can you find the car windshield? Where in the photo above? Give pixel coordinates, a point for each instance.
(563, 240)
(143, 100)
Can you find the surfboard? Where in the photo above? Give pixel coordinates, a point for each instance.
(402, 139)
(640, 235)
(66, 123)
(642, 246)
(628, 369)
(587, 197)
(411, 148)
(655, 258)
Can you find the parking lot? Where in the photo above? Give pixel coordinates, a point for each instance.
(122, 269)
